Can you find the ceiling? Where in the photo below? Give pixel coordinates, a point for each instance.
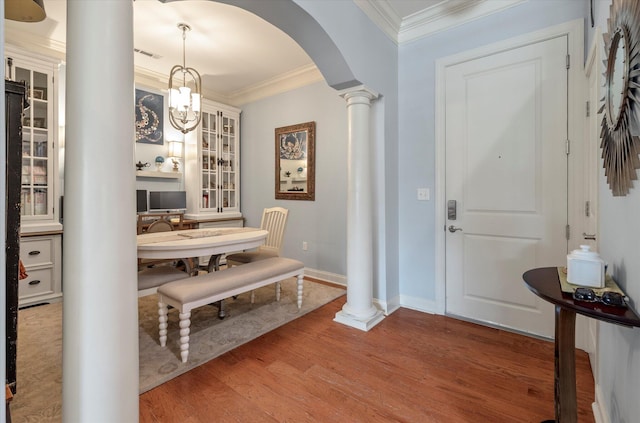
(236, 52)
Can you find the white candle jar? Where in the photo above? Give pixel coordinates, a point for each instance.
(585, 268)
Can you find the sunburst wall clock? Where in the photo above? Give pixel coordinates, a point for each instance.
(620, 143)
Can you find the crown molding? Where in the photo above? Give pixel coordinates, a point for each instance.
(288, 81)
(35, 43)
(437, 18)
(383, 15)
(447, 15)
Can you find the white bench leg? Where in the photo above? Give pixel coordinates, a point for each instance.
(300, 288)
(184, 335)
(162, 323)
(278, 291)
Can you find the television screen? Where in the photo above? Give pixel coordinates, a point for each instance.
(167, 200)
(141, 200)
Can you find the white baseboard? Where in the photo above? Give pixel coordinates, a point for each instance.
(418, 304)
(387, 307)
(600, 413)
(326, 276)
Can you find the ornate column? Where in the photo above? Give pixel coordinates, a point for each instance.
(359, 311)
(100, 310)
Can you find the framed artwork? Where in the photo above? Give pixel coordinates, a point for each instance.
(295, 162)
(38, 94)
(149, 117)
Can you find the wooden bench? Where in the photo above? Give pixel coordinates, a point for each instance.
(187, 294)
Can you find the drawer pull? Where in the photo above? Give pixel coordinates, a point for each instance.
(34, 253)
(34, 282)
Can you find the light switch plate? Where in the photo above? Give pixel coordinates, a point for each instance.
(423, 194)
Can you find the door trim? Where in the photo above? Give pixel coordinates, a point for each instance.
(574, 30)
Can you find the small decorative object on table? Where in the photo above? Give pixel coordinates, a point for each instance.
(159, 162)
(585, 268)
(140, 165)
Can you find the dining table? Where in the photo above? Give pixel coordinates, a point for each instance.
(194, 243)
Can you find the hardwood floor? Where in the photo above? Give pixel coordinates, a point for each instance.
(412, 367)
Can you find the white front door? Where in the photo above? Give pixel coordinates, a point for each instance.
(506, 170)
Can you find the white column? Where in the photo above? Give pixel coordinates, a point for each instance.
(100, 311)
(359, 311)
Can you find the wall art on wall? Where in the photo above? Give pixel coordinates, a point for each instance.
(295, 162)
(149, 117)
(620, 124)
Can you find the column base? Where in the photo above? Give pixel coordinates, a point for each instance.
(354, 322)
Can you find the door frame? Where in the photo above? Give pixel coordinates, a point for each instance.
(574, 30)
(588, 337)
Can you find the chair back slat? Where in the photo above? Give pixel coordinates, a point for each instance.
(160, 225)
(274, 220)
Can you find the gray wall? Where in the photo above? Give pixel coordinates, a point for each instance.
(321, 223)
(417, 126)
(373, 58)
(618, 366)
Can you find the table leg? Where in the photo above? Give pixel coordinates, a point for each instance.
(214, 263)
(565, 366)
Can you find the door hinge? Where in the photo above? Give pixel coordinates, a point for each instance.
(588, 109)
(587, 206)
(567, 147)
(567, 230)
(568, 61)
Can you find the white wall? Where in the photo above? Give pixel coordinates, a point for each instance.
(618, 377)
(321, 223)
(417, 126)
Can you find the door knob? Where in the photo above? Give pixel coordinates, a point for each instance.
(452, 229)
(589, 236)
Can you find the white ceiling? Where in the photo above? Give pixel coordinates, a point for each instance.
(235, 51)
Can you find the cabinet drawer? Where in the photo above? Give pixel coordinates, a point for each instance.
(36, 252)
(238, 223)
(37, 283)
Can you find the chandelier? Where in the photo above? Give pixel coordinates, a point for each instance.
(184, 93)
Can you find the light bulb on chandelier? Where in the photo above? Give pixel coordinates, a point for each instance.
(184, 92)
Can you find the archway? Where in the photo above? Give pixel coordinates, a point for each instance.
(307, 32)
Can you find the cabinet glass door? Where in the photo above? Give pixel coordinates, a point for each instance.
(219, 160)
(229, 163)
(209, 162)
(36, 146)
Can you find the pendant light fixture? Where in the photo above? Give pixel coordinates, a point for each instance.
(184, 92)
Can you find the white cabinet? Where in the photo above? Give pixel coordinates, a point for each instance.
(40, 227)
(39, 184)
(212, 176)
(42, 261)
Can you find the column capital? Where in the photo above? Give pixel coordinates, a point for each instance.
(361, 92)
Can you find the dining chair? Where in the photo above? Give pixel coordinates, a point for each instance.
(153, 273)
(274, 220)
(160, 225)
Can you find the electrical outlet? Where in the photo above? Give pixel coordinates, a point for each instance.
(304, 246)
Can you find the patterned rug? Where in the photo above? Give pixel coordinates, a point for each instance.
(39, 396)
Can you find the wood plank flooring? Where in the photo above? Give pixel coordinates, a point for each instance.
(412, 367)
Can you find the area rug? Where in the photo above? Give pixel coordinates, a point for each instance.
(39, 397)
